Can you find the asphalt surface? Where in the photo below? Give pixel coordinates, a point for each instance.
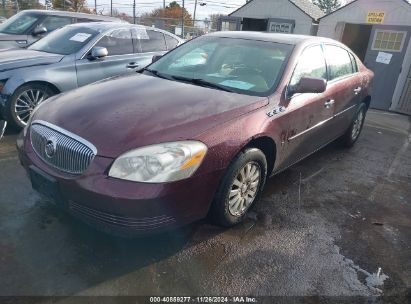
(336, 224)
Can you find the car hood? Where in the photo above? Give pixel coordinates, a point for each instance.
(133, 111)
(20, 58)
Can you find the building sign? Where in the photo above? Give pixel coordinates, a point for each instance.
(375, 17)
(280, 27)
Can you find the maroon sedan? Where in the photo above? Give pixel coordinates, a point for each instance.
(197, 132)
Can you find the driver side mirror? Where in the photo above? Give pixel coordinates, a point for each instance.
(40, 30)
(155, 58)
(307, 85)
(98, 52)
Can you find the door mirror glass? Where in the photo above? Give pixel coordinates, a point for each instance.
(98, 52)
(155, 58)
(307, 85)
(40, 30)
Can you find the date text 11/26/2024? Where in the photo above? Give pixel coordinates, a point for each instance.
(203, 299)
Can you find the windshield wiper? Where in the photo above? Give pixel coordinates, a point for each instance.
(203, 83)
(156, 73)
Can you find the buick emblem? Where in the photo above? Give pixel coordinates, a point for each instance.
(50, 147)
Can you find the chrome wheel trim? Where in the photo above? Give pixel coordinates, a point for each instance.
(26, 102)
(244, 189)
(357, 125)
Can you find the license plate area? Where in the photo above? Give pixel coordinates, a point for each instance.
(45, 184)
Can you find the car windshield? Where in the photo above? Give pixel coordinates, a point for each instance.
(65, 41)
(19, 24)
(243, 66)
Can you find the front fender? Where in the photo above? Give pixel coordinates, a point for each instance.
(61, 75)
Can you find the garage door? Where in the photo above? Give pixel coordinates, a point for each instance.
(405, 102)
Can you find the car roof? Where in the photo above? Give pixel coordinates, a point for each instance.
(274, 37)
(73, 14)
(103, 26)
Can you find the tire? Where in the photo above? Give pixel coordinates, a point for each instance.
(351, 135)
(25, 98)
(227, 212)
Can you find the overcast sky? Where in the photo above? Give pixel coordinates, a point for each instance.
(142, 6)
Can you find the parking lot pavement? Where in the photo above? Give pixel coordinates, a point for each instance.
(324, 227)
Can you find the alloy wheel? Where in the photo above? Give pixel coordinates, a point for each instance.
(26, 102)
(244, 189)
(357, 125)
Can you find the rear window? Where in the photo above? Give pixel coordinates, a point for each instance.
(154, 43)
(339, 62)
(171, 42)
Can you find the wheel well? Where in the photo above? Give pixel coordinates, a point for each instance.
(50, 85)
(367, 101)
(268, 147)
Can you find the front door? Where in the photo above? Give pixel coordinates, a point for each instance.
(120, 60)
(385, 55)
(308, 116)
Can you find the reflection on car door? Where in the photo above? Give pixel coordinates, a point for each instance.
(307, 116)
(345, 83)
(120, 59)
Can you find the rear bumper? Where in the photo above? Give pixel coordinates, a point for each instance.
(123, 207)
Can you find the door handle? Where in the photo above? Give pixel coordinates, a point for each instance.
(329, 103)
(357, 90)
(132, 65)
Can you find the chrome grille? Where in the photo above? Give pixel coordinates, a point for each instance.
(61, 149)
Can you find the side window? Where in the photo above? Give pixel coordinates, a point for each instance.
(154, 43)
(354, 63)
(339, 62)
(171, 42)
(310, 64)
(52, 23)
(118, 42)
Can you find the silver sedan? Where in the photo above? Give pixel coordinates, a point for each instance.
(72, 57)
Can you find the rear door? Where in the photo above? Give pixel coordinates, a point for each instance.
(120, 59)
(344, 82)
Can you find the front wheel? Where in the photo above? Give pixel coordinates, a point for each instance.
(240, 188)
(23, 101)
(351, 135)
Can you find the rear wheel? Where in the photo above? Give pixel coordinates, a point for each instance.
(240, 188)
(351, 135)
(24, 100)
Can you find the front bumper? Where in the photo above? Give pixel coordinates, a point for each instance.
(124, 207)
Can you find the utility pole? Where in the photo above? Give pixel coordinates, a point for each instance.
(95, 6)
(182, 20)
(164, 4)
(111, 8)
(134, 12)
(194, 16)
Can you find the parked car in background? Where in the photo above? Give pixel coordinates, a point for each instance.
(72, 57)
(151, 151)
(2, 19)
(26, 27)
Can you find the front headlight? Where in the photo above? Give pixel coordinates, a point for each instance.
(160, 163)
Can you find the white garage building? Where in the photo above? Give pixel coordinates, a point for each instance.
(284, 16)
(378, 32)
